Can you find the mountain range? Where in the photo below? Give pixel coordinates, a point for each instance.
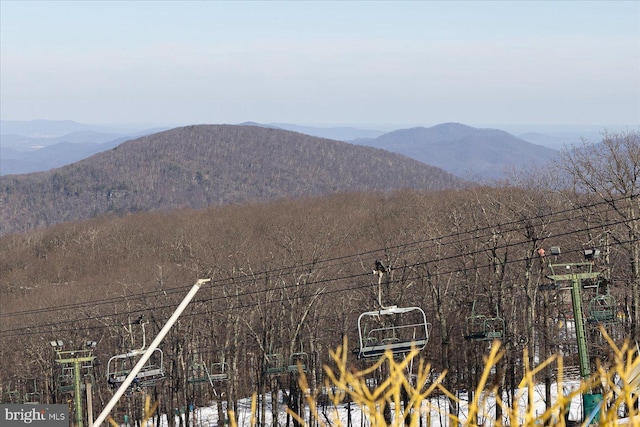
(467, 152)
(41, 145)
(206, 165)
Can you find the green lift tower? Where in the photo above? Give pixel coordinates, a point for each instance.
(571, 276)
(77, 359)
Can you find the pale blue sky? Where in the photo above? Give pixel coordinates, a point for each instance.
(376, 63)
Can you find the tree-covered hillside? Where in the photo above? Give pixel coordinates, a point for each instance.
(207, 165)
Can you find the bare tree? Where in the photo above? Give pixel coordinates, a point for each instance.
(610, 172)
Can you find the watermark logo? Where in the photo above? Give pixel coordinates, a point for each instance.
(34, 415)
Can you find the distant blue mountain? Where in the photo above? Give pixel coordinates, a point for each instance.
(39, 147)
(465, 151)
(47, 128)
(51, 156)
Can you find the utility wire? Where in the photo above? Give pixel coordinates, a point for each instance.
(29, 330)
(273, 273)
(470, 235)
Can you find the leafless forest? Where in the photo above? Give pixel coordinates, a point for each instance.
(292, 276)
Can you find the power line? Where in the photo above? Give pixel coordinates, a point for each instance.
(29, 329)
(266, 273)
(473, 232)
(271, 273)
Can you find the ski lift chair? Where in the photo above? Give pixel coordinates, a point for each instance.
(197, 373)
(494, 328)
(32, 395)
(483, 328)
(11, 395)
(219, 371)
(274, 364)
(120, 366)
(476, 327)
(397, 329)
(65, 380)
(602, 309)
(300, 358)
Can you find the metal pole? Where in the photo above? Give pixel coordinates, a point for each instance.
(78, 395)
(583, 353)
(87, 385)
(123, 387)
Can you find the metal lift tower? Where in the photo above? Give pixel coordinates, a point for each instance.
(570, 276)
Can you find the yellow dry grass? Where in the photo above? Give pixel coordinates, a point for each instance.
(619, 383)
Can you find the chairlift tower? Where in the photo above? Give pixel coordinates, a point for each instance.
(571, 276)
(78, 359)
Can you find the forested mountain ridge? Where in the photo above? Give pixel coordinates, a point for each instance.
(472, 153)
(465, 151)
(206, 165)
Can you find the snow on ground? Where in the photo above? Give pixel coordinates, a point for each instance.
(208, 416)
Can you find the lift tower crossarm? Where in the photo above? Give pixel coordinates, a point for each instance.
(165, 330)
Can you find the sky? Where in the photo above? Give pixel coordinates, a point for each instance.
(373, 63)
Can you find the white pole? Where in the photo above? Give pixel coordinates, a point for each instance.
(123, 387)
(87, 386)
